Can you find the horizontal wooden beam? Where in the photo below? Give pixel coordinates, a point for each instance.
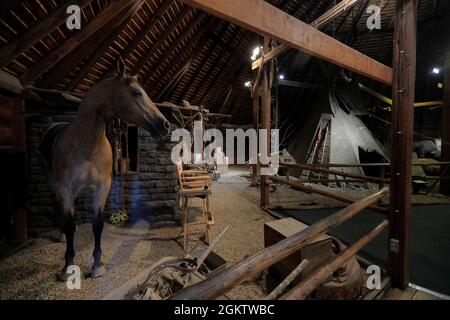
(261, 17)
(337, 173)
(318, 23)
(297, 185)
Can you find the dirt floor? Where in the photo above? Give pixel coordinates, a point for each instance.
(30, 273)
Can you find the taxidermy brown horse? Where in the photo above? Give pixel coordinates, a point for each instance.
(82, 156)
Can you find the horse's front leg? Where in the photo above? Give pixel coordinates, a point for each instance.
(100, 196)
(66, 204)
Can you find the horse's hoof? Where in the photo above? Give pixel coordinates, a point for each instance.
(63, 276)
(98, 271)
(61, 238)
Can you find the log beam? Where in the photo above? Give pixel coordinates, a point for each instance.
(228, 278)
(338, 173)
(307, 189)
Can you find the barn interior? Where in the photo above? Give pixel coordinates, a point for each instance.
(354, 203)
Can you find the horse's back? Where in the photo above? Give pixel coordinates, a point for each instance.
(48, 142)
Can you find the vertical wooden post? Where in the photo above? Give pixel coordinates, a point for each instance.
(445, 155)
(265, 120)
(255, 114)
(404, 65)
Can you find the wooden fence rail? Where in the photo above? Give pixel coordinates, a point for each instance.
(223, 281)
(337, 173)
(304, 188)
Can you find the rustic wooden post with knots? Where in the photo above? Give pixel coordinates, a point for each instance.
(404, 65)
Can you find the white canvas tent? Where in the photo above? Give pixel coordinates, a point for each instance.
(333, 133)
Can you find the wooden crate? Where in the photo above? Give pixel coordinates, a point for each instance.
(317, 253)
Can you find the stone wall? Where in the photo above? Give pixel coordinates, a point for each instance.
(152, 192)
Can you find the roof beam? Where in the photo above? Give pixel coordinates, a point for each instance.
(59, 72)
(318, 23)
(85, 68)
(180, 38)
(256, 14)
(186, 60)
(167, 32)
(73, 42)
(204, 63)
(19, 45)
(143, 32)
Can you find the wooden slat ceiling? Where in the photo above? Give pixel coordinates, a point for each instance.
(179, 52)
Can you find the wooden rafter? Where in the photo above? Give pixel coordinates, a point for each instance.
(73, 42)
(179, 39)
(203, 63)
(99, 52)
(19, 45)
(58, 73)
(228, 76)
(130, 48)
(236, 66)
(159, 43)
(186, 60)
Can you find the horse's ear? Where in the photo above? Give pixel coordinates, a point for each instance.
(121, 67)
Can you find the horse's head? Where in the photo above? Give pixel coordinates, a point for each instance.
(132, 104)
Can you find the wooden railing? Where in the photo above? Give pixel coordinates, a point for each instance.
(304, 188)
(322, 169)
(228, 278)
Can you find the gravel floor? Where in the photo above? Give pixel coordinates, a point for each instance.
(31, 272)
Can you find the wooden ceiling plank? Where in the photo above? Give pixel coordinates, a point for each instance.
(73, 42)
(143, 33)
(202, 39)
(106, 34)
(162, 38)
(204, 61)
(99, 52)
(19, 45)
(179, 39)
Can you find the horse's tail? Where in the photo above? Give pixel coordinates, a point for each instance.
(48, 142)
